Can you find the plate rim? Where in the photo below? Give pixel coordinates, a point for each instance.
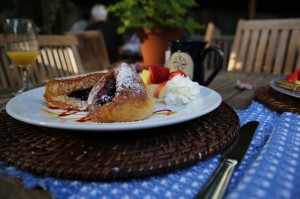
(283, 90)
(119, 126)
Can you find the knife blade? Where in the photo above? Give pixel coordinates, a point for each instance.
(218, 183)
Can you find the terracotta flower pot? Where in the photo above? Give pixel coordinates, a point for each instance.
(154, 43)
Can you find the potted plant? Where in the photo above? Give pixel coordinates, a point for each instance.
(156, 23)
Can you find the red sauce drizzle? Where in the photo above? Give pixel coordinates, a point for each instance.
(164, 111)
(84, 119)
(66, 113)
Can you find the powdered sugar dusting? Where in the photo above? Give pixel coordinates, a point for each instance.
(127, 78)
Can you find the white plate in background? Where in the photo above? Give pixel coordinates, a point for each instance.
(283, 90)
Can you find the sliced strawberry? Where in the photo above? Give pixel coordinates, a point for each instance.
(293, 77)
(174, 73)
(158, 91)
(158, 74)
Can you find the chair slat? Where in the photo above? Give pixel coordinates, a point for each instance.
(252, 50)
(291, 52)
(209, 33)
(270, 52)
(235, 47)
(261, 40)
(281, 52)
(243, 50)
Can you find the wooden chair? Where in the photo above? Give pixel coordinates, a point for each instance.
(211, 36)
(266, 46)
(10, 76)
(58, 58)
(210, 33)
(92, 50)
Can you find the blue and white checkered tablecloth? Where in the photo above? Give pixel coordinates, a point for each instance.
(271, 169)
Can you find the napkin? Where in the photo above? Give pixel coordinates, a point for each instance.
(269, 154)
(275, 173)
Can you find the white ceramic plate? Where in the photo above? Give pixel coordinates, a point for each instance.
(29, 107)
(283, 90)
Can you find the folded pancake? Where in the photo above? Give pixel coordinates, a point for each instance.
(70, 93)
(120, 96)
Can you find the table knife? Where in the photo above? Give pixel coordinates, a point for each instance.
(234, 154)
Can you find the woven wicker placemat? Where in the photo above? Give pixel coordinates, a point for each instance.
(115, 155)
(277, 101)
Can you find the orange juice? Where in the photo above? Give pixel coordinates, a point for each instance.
(22, 58)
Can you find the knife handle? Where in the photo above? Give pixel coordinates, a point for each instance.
(218, 183)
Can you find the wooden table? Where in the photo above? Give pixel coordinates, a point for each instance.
(224, 83)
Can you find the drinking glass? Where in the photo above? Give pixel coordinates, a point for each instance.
(21, 46)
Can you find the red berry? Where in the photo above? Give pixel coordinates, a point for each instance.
(293, 77)
(158, 74)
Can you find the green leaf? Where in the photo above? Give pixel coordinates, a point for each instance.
(121, 29)
(143, 13)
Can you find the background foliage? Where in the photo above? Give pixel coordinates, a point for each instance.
(51, 16)
(57, 16)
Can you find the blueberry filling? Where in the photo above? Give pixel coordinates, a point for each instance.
(81, 94)
(107, 92)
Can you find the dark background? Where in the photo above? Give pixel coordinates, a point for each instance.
(57, 16)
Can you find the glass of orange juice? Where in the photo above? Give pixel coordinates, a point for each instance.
(21, 46)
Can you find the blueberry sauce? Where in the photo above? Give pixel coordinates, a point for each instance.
(81, 94)
(107, 92)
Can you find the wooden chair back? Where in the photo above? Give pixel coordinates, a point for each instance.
(10, 75)
(92, 50)
(210, 36)
(209, 33)
(58, 58)
(266, 46)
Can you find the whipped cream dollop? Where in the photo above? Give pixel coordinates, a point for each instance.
(181, 90)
